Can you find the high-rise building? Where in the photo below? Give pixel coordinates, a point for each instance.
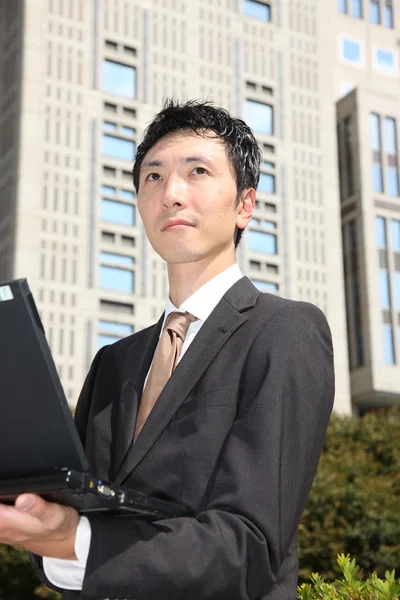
(79, 82)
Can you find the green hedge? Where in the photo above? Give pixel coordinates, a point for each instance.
(351, 586)
(354, 504)
(353, 509)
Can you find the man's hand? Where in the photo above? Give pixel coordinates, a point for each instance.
(45, 528)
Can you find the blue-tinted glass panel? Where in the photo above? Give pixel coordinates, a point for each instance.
(117, 259)
(395, 231)
(126, 194)
(390, 135)
(377, 178)
(106, 340)
(388, 17)
(374, 12)
(268, 165)
(356, 9)
(119, 79)
(393, 181)
(259, 116)
(255, 222)
(118, 148)
(396, 285)
(388, 346)
(265, 286)
(381, 232)
(385, 60)
(113, 327)
(384, 289)
(351, 50)
(258, 241)
(269, 225)
(117, 212)
(112, 278)
(374, 131)
(342, 6)
(258, 10)
(107, 126)
(108, 191)
(266, 183)
(128, 131)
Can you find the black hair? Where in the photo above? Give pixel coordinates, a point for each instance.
(204, 119)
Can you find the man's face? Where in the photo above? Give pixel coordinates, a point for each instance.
(187, 198)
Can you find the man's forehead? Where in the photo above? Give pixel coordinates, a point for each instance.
(188, 139)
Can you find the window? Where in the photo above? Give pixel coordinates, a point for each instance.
(348, 156)
(388, 345)
(395, 231)
(396, 281)
(126, 194)
(375, 132)
(107, 126)
(119, 79)
(266, 183)
(111, 332)
(342, 6)
(377, 178)
(258, 10)
(356, 9)
(259, 116)
(374, 12)
(265, 286)
(351, 51)
(113, 278)
(392, 181)
(258, 241)
(385, 61)
(118, 148)
(381, 232)
(108, 190)
(388, 16)
(117, 259)
(113, 275)
(390, 135)
(117, 212)
(384, 289)
(128, 131)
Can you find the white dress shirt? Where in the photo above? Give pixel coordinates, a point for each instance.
(69, 574)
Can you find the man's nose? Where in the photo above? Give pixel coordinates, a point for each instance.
(175, 192)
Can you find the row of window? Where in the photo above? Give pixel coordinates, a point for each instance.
(385, 172)
(389, 343)
(382, 234)
(257, 10)
(380, 11)
(384, 60)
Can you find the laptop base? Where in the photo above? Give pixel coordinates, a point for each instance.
(88, 494)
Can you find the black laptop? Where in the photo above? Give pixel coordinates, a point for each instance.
(40, 449)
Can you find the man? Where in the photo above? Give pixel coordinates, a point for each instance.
(236, 432)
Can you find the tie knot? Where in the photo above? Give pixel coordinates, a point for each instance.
(179, 323)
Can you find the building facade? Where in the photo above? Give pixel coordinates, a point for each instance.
(79, 82)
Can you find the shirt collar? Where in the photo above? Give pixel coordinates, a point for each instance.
(205, 299)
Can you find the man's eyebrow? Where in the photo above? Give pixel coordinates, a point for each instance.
(148, 164)
(151, 163)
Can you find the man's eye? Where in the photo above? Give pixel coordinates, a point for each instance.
(152, 177)
(200, 170)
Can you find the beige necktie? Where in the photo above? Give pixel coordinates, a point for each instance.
(164, 362)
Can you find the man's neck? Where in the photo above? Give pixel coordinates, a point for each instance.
(186, 278)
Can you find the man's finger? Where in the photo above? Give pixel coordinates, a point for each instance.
(32, 504)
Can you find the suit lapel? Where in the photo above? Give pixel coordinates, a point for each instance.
(136, 366)
(225, 319)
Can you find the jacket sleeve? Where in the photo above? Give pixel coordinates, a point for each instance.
(81, 418)
(234, 547)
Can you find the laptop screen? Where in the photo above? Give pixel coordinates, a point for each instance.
(37, 433)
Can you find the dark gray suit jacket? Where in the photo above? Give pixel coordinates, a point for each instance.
(235, 436)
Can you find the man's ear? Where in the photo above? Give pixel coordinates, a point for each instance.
(245, 208)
